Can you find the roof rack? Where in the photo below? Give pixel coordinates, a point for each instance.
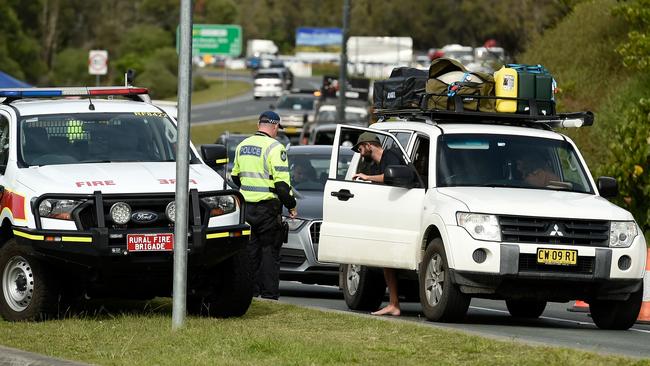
(460, 115)
(130, 92)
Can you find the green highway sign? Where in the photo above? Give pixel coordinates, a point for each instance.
(215, 39)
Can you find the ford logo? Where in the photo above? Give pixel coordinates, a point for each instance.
(144, 217)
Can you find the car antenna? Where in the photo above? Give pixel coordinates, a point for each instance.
(91, 106)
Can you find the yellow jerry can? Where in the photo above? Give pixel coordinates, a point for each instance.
(505, 81)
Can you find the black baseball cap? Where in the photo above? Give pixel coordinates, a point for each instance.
(270, 117)
(365, 137)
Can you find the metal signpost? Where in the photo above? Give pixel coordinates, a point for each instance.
(182, 167)
(344, 61)
(97, 63)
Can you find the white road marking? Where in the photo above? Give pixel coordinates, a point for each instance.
(552, 318)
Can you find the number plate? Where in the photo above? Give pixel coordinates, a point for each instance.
(561, 257)
(150, 242)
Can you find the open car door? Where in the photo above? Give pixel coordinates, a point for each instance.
(367, 223)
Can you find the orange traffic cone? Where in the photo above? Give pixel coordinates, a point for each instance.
(644, 314)
(579, 306)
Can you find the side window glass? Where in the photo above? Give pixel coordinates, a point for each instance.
(420, 158)
(363, 161)
(4, 144)
(403, 137)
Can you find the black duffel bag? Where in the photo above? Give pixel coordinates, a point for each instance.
(404, 89)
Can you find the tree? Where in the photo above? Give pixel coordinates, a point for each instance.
(19, 51)
(636, 52)
(630, 162)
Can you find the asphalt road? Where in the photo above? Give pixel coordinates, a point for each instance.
(556, 327)
(241, 107)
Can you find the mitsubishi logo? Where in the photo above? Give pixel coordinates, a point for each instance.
(556, 231)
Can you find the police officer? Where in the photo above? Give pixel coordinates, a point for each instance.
(262, 173)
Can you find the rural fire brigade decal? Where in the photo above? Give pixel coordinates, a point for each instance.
(149, 242)
(14, 203)
(105, 183)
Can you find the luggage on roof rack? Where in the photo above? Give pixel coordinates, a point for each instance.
(448, 78)
(403, 89)
(453, 94)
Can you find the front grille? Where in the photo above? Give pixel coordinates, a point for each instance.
(543, 230)
(314, 231)
(528, 263)
(157, 205)
(292, 257)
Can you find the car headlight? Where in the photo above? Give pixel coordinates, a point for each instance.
(61, 209)
(622, 233)
(170, 211)
(221, 205)
(294, 224)
(120, 213)
(480, 226)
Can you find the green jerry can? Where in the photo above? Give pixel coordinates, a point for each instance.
(534, 82)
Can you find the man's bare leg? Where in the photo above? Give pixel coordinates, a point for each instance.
(393, 301)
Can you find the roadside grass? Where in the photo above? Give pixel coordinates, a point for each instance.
(325, 69)
(219, 90)
(139, 333)
(246, 72)
(208, 133)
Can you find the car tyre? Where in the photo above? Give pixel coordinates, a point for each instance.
(529, 309)
(441, 299)
(618, 315)
(363, 287)
(230, 292)
(29, 291)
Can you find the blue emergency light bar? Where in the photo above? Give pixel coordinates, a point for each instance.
(18, 93)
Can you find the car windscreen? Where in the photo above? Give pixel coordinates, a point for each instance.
(296, 103)
(268, 76)
(309, 172)
(509, 161)
(97, 138)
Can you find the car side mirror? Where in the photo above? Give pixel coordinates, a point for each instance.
(399, 176)
(608, 187)
(214, 155)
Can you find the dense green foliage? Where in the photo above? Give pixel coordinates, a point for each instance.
(46, 42)
(593, 55)
(630, 161)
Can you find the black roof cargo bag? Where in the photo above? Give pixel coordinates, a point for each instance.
(404, 89)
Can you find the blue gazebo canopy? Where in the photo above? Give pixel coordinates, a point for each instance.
(6, 81)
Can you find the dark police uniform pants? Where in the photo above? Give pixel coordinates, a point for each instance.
(264, 246)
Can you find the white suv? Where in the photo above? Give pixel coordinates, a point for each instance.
(269, 83)
(87, 193)
(469, 217)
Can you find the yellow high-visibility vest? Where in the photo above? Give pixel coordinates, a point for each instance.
(260, 162)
